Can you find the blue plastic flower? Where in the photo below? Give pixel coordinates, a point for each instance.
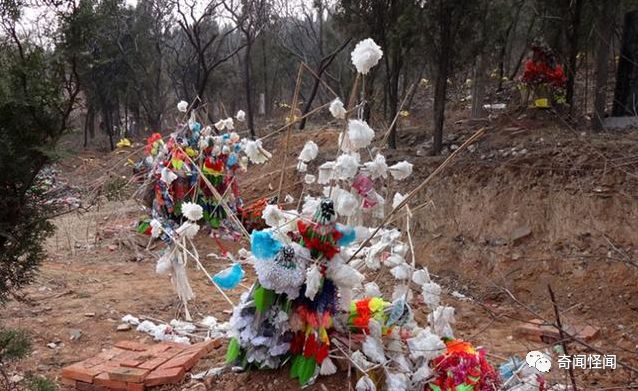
(263, 245)
(232, 160)
(230, 277)
(348, 235)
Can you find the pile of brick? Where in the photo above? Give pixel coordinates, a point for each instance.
(132, 366)
(538, 331)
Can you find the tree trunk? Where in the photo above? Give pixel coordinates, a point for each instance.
(478, 87)
(248, 89)
(626, 94)
(605, 28)
(311, 98)
(264, 67)
(573, 52)
(443, 69)
(393, 97)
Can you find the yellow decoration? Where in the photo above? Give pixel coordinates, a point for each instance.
(404, 113)
(190, 152)
(123, 143)
(542, 103)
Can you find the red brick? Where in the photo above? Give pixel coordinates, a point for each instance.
(68, 382)
(81, 386)
(175, 345)
(186, 359)
(209, 345)
(154, 363)
(130, 375)
(79, 372)
(157, 348)
(104, 380)
(131, 345)
(165, 376)
(135, 386)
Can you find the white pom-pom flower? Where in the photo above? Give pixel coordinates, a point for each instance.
(401, 170)
(366, 55)
(229, 123)
(360, 134)
(344, 202)
(376, 168)
(182, 106)
(241, 116)
(313, 281)
(337, 110)
(309, 152)
(192, 211)
(347, 166)
(373, 349)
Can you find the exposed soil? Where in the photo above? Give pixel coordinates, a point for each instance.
(571, 196)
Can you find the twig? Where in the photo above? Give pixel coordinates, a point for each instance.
(561, 334)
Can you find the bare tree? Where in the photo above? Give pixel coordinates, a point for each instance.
(208, 39)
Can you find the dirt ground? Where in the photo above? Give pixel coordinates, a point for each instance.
(571, 195)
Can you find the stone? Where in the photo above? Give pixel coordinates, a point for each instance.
(123, 327)
(519, 233)
(75, 334)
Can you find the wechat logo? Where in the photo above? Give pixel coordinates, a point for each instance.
(539, 360)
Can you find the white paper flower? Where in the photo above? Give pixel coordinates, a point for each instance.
(366, 55)
(188, 229)
(301, 166)
(343, 275)
(397, 199)
(164, 265)
(182, 106)
(431, 294)
(396, 381)
(365, 384)
(273, 216)
(337, 110)
(220, 125)
(192, 211)
(376, 168)
(156, 228)
(421, 277)
(344, 202)
(401, 170)
(401, 272)
(313, 281)
(440, 320)
(309, 151)
(309, 179)
(326, 171)
(327, 367)
(228, 122)
(360, 134)
(167, 176)
(347, 166)
(255, 152)
(371, 289)
(241, 116)
(373, 349)
(425, 345)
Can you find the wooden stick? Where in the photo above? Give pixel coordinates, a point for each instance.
(415, 191)
(561, 334)
(293, 115)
